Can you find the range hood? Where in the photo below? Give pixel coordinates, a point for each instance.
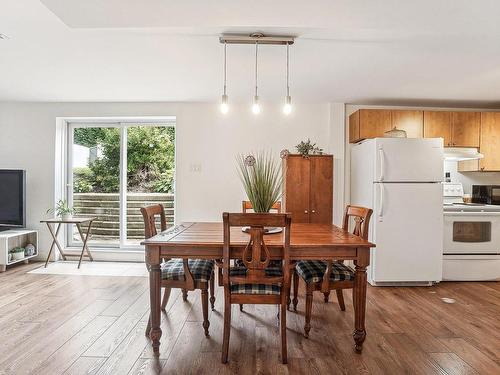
(461, 153)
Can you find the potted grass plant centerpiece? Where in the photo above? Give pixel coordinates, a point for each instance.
(262, 180)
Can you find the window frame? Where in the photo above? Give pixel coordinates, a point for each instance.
(70, 124)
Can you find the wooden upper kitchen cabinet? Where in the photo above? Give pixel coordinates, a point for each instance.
(465, 129)
(490, 141)
(369, 123)
(308, 188)
(489, 146)
(410, 121)
(437, 124)
(373, 123)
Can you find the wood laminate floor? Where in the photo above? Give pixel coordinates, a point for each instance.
(52, 324)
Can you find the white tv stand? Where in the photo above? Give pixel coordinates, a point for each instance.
(12, 238)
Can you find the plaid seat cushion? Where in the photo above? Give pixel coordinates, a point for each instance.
(255, 289)
(200, 268)
(312, 271)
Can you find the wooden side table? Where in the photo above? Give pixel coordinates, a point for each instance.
(78, 221)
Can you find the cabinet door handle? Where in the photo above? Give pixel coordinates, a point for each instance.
(313, 211)
(305, 211)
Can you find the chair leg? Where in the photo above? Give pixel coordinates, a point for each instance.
(184, 295)
(340, 297)
(309, 301)
(241, 307)
(295, 289)
(284, 355)
(148, 327)
(227, 329)
(166, 296)
(327, 296)
(204, 306)
(212, 291)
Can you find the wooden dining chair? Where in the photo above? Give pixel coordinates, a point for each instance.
(181, 273)
(245, 206)
(256, 282)
(325, 276)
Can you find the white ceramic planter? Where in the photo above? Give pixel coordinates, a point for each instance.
(18, 256)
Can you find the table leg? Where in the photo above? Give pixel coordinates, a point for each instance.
(59, 247)
(84, 239)
(155, 296)
(87, 236)
(359, 298)
(54, 240)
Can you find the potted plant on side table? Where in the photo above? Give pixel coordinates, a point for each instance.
(62, 210)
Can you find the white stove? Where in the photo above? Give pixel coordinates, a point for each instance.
(471, 246)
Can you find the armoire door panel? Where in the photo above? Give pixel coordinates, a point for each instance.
(321, 189)
(297, 188)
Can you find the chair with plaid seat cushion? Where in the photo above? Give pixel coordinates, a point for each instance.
(253, 279)
(313, 271)
(201, 269)
(325, 276)
(185, 274)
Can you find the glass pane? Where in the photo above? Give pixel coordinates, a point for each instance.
(472, 231)
(150, 175)
(96, 183)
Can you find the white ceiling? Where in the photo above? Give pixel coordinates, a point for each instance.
(442, 52)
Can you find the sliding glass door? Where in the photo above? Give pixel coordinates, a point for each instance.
(113, 170)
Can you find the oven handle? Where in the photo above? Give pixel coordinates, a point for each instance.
(485, 213)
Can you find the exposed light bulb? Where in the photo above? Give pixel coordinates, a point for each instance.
(256, 106)
(287, 108)
(224, 107)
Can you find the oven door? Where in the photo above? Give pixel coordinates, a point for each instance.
(471, 233)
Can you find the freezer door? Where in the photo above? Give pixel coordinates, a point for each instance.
(409, 160)
(408, 232)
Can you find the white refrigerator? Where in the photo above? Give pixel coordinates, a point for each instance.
(400, 179)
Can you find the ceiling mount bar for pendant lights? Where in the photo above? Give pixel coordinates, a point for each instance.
(253, 38)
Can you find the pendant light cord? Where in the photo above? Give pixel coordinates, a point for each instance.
(256, 55)
(225, 70)
(287, 69)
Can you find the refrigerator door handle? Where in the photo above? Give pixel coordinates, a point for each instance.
(382, 162)
(381, 205)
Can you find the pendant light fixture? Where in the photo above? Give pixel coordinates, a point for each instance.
(256, 105)
(287, 107)
(258, 38)
(224, 107)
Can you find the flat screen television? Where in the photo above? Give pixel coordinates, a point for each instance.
(12, 199)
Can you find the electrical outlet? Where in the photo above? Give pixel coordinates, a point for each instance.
(195, 168)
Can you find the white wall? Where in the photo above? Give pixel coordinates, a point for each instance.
(204, 136)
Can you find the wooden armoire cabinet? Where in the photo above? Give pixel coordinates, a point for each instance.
(308, 188)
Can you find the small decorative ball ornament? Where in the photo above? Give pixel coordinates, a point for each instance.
(30, 249)
(250, 161)
(284, 153)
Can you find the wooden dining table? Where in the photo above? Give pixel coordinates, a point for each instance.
(204, 240)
